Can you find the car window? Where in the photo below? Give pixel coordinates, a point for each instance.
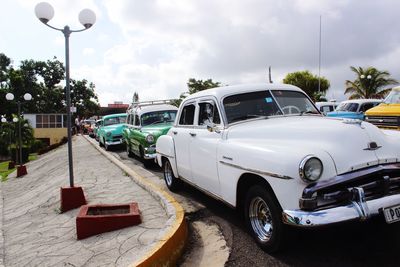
(393, 97)
(352, 107)
(137, 120)
(250, 105)
(364, 107)
(157, 117)
(208, 112)
(115, 120)
(293, 102)
(326, 109)
(187, 115)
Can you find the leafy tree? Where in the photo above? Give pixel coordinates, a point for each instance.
(9, 135)
(195, 86)
(308, 83)
(84, 98)
(369, 83)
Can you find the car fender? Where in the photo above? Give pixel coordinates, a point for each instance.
(165, 148)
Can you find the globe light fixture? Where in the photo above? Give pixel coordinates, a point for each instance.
(3, 120)
(45, 12)
(15, 119)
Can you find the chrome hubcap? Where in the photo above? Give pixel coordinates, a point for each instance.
(260, 219)
(168, 173)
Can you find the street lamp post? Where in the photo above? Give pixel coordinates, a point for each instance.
(21, 169)
(45, 12)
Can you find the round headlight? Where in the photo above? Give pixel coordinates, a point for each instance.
(108, 133)
(310, 169)
(150, 138)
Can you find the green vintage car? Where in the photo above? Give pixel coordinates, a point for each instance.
(96, 128)
(147, 121)
(110, 131)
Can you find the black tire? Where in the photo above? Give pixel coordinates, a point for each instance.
(148, 163)
(263, 217)
(100, 143)
(107, 147)
(128, 151)
(173, 183)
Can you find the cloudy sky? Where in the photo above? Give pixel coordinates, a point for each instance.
(154, 46)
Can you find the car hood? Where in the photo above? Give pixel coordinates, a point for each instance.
(342, 114)
(115, 128)
(384, 110)
(346, 141)
(157, 129)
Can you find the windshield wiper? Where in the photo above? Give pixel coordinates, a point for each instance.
(308, 112)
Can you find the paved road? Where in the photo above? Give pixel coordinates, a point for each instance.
(372, 243)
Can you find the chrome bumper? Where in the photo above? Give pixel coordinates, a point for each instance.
(357, 210)
(114, 143)
(150, 153)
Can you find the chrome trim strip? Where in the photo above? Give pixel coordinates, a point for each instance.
(358, 210)
(275, 175)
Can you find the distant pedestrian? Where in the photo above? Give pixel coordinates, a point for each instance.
(77, 124)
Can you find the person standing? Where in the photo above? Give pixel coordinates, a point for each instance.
(77, 125)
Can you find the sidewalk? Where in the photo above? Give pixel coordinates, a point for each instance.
(36, 234)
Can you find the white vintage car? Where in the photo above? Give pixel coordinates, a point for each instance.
(267, 150)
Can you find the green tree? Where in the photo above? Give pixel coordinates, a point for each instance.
(308, 83)
(84, 98)
(369, 83)
(195, 86)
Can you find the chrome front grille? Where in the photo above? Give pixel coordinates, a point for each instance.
(384, 121)
(376, 182)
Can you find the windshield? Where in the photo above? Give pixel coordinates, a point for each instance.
(115, 120)
(393, 97)
(158, 117)
(352, 107)
(262, 104)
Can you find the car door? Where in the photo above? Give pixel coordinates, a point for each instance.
(182, 136)
(203, 146)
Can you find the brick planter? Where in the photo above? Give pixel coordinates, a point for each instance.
(97, 219)
(71, 198)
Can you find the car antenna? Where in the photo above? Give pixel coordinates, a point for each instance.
(269, 74)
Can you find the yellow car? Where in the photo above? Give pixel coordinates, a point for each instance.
(387, 114)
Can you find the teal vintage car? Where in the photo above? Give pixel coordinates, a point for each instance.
(146, 122)
(110, 131)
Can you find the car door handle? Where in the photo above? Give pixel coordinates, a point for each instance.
(192, 134)
(175, 132)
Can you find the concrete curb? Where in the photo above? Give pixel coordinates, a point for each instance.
(173, 239)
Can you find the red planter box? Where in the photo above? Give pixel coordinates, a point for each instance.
(71, 198)
(97, 219)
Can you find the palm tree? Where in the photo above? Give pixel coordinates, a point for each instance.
(370, 83)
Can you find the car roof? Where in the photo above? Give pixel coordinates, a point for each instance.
(151, 108)
(220, 92)
(362, 101)
(114, 115)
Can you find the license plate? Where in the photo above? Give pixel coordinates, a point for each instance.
(392, 214)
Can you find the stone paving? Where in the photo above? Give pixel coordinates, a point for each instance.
(36, 234)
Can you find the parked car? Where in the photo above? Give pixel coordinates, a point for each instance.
(88, 126)
(146, 122)
(110, 130)
(96, 128)
(266, 150)
(387, 114)
(354, 109)
(325, 107)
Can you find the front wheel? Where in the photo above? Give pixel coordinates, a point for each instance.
(171, 181)
(263, 218)
(128, 151)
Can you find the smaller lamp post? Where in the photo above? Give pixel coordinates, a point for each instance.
(21, 169)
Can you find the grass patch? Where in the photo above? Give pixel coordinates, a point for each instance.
(4, 171)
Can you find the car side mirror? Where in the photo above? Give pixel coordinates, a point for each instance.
(212, 127)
